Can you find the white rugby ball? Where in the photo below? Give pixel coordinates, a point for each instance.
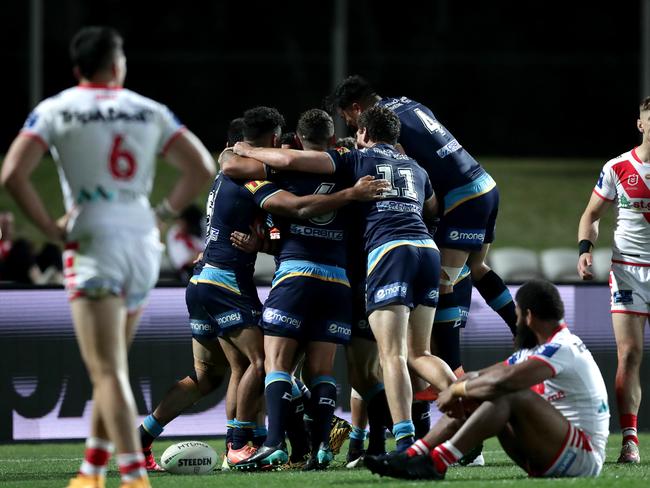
(189, 457)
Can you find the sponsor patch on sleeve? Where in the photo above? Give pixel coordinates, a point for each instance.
(254, 185)
(600, 179)
(342, 150)
(548, 350)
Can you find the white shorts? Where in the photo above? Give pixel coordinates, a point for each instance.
(630, 289)
(576, 458)
(120, 264)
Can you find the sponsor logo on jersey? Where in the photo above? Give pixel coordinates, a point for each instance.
(632, 180)
(465, 236)
(642, 204)
(451, 147)
(339, 330)
(516, 357)
(32, 118)
(547, 350)
(393, 206)
(329, 234)
(281, 318)
(214, 234)
(254, 185)
(623, 297)
(389, 153)
(397, 289)
(600, 179)
(108, 115)
(229, 319)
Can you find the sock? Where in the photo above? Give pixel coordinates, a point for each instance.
(230, 426)
(379, 419)
(149, 430)
(259, 435)
(498, 297)
(446, 337)
(421, 418)
(296, 429)
(628, 428)
(277, 392)
(404, 433)
(304, 391)
(242, 433)
(447, 311)
(131, 466)
(444, 455)
(357, 436)
(418, 448)
(98, 452)
(323, 403)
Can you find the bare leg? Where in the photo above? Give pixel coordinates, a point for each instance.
(476, 263)
(454, 258)
(629, 332)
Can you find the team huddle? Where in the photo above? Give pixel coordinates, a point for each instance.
(378, 242)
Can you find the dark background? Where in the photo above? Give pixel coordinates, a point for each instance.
(508, 78)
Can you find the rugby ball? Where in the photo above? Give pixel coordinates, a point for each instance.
(189, 457)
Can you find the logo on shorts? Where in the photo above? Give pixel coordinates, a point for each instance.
(433, 294)
(466, 236)
(200, 327)
(278, 317)
(339, 330)
(623, 297)
(230, 318)
(397, 289)
(363, 324)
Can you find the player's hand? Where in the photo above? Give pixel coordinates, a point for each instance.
(584, 266)
(450, 404)
(368, 188)
(242, 148)
(248, 243)
(199, 257)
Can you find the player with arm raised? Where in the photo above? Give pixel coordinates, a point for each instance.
(547, 403)
(403, 262)
(625, 183)
(468, 200)
(104, 140)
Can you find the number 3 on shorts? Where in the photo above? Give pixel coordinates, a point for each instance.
(121, 162)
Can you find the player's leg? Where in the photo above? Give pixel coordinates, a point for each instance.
(359, 421)
(629, 334)
(389, 326)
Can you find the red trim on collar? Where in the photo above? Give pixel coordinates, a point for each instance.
(555, 332)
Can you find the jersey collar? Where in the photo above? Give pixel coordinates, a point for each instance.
(559, 329)
(98, 86)
(636, 156)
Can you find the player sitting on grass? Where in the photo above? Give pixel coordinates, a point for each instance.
(547, 403)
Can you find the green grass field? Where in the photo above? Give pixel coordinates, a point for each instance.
(541, 200)
(51, 465)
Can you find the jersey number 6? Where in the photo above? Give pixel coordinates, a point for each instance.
(121, 162)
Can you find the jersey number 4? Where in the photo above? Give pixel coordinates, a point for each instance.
(121, 162)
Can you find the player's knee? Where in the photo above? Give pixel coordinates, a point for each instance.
(207, 376)
(630, 354)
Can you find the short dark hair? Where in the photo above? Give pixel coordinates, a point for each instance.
(315, 126)
(381, 123)
(93, 49)
(347, 142)
(645, 104)
(260, 121)
(236, 131)
(353, 89)
(542, 299)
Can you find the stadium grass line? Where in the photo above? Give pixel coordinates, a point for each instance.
(44, 471)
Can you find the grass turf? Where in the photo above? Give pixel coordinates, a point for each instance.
(541, 200)
(52, 464)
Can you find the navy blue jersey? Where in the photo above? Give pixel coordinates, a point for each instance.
(320, 239)
(398, 215)
(427, 141)
(233, 205)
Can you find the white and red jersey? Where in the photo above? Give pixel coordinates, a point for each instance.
(626, 180)
(105, 141)
(576, 389)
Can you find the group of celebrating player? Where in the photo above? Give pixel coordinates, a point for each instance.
(377, 248)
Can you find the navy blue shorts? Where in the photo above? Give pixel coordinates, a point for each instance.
(403, 272)
(360, 325)
(229, 299)
(200, 322)
(463, 295)
(309, 302)
(470, 224)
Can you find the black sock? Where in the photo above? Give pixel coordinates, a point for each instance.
(421, 418)
(379, 420)
(498, 297)
(296, 429)
(278, 402)
(447, 310)
(149, 430)
(446, 338)
(323, 403)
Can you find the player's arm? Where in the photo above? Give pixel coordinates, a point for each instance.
(289, 159)
(240, 167)
(496, 381)
(22, 159)
(588, 232)
(287, 204)
(187, 153)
